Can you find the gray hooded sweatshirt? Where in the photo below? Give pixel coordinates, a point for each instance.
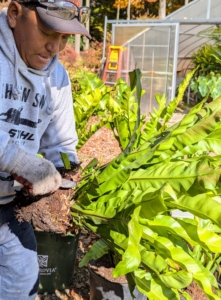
(36, 109)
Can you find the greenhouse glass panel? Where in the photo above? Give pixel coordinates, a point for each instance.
(153, 50)
(198, 9)
(189, 13)
(215, 9)
(123, 34)
(191, 38)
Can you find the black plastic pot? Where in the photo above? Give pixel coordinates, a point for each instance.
(56, 257)
(103, 289)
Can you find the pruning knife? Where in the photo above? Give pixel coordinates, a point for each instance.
(65, 184)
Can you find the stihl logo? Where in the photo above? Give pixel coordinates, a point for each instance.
(20, 134)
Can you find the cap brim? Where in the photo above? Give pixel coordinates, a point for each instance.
(60, 25)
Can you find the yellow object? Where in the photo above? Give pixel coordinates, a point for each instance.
(114, 57)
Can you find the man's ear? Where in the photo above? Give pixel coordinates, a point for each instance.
(14, 10)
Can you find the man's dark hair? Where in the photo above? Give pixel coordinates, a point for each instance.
(26, 7)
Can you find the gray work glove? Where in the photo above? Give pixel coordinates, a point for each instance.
(37, 175)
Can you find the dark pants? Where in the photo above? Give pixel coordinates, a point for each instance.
(19, 270)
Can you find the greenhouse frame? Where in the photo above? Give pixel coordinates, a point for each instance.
(162, 49)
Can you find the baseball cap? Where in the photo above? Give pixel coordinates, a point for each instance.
(62, 16)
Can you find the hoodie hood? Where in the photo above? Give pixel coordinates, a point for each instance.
(8, 47)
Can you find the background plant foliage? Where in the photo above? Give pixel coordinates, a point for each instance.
(117, 108)
(128, 203)
(207, 80)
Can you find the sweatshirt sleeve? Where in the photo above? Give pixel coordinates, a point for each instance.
(8, 152)
(60, 135)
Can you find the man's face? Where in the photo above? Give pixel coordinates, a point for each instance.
(35, 42)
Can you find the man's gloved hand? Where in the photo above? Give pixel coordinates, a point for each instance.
(37, 175)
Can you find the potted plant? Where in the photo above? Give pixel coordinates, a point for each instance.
(128, 205)
(104, 286)
(57, 238)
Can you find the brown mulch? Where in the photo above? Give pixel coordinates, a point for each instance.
(195, 292)
(102, 145)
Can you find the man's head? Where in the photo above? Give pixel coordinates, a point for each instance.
(41, 29)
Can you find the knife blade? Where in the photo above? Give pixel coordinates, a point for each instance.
(65, 183)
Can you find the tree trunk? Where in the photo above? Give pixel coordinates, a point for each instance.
(128, 10)
(77, 41)
(86, 40)
(162, 9)
(118, 12)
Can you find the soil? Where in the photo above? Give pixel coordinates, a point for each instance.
(103, 267)
(50, 213)
(195, 292)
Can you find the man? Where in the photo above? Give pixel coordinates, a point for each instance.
(36, 116)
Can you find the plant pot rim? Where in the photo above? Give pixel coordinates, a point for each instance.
(91, 271)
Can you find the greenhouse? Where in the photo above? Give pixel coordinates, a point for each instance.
(162, 49)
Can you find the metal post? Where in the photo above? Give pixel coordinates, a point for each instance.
(105, 37)
(208, 9)
(143, 52)
(175, 56)
(87, 25)
(151, 84)
(188, 95)
(168, 88)
(77, 42)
